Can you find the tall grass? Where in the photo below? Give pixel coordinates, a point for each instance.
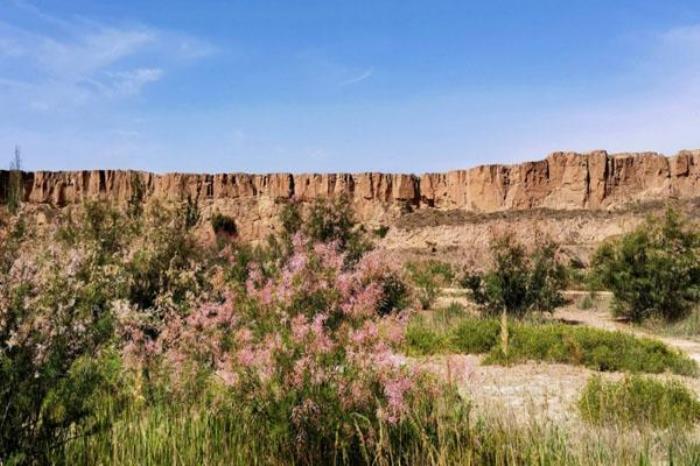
(639, 401)
(197, 433)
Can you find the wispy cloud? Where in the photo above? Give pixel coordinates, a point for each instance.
(356, 79)
(69, 62)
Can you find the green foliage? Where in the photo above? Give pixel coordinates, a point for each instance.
(428, 277)
(639, 401)
(168, 263)
(395, 294)
(422, 339)
(134, 207)
(597, 349)
(333, 220)
(557, 343)
(202, 432)
(381, 231)
(190, 213)
(223, 225)
(652, 271)
(291, 219)
(520, 280)
(51, 377)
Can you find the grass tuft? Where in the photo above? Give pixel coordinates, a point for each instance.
(639, 401)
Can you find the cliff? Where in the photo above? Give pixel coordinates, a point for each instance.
(563, 181)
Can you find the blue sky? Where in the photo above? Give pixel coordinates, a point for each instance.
(301, 85)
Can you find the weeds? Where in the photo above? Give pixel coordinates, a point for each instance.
(639, 401)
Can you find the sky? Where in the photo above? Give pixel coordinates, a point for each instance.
(335, 86)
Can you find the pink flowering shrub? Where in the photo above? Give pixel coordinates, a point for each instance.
(60, 290)
(304, 351)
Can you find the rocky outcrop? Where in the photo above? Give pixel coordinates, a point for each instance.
(564, 180)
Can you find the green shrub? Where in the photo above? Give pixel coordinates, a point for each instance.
(190, 213)
(638, 401)
(291, 219)
(652, 271)
(423, 340)
(164, 264)
(476, 336)
(395, 294)
(520, 280)
(381, 231)
(333, 220)
(556, 343)
(597, 349)
(223, 225)
(428, 277)
(134, 206)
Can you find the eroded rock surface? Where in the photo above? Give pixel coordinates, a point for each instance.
(563, 181)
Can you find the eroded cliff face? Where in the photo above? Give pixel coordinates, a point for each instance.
(563, 181)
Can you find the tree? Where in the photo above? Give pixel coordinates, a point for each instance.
(520, 280)
(652, 271)
(14, 185)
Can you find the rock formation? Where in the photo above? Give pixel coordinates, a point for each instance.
(563, 181)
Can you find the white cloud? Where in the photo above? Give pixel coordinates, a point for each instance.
(69, 63)
(131, 82)
(361, 77)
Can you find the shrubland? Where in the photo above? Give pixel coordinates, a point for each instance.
(654, 271)
(125, 339)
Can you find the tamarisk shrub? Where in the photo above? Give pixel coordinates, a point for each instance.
(303, 352)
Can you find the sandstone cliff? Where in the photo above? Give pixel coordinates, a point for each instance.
(563, 181)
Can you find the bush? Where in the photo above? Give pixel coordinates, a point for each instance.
(276, 345)
(381, 231)
(190, 213)
(520, 280)
(428, 277)
(653, 271)
(639, 401)
(395, 295)
(333, 221)
(56, 329)
(223, 225)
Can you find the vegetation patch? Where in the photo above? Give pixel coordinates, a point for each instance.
(653, 271)
(223, 224)
(548, 342)
(639, 401)
(428, 277)
(520, 280)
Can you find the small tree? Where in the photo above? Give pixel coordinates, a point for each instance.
(14, 186)
(654, 270)
(520, 280)
(333, 220)
(428, 277)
